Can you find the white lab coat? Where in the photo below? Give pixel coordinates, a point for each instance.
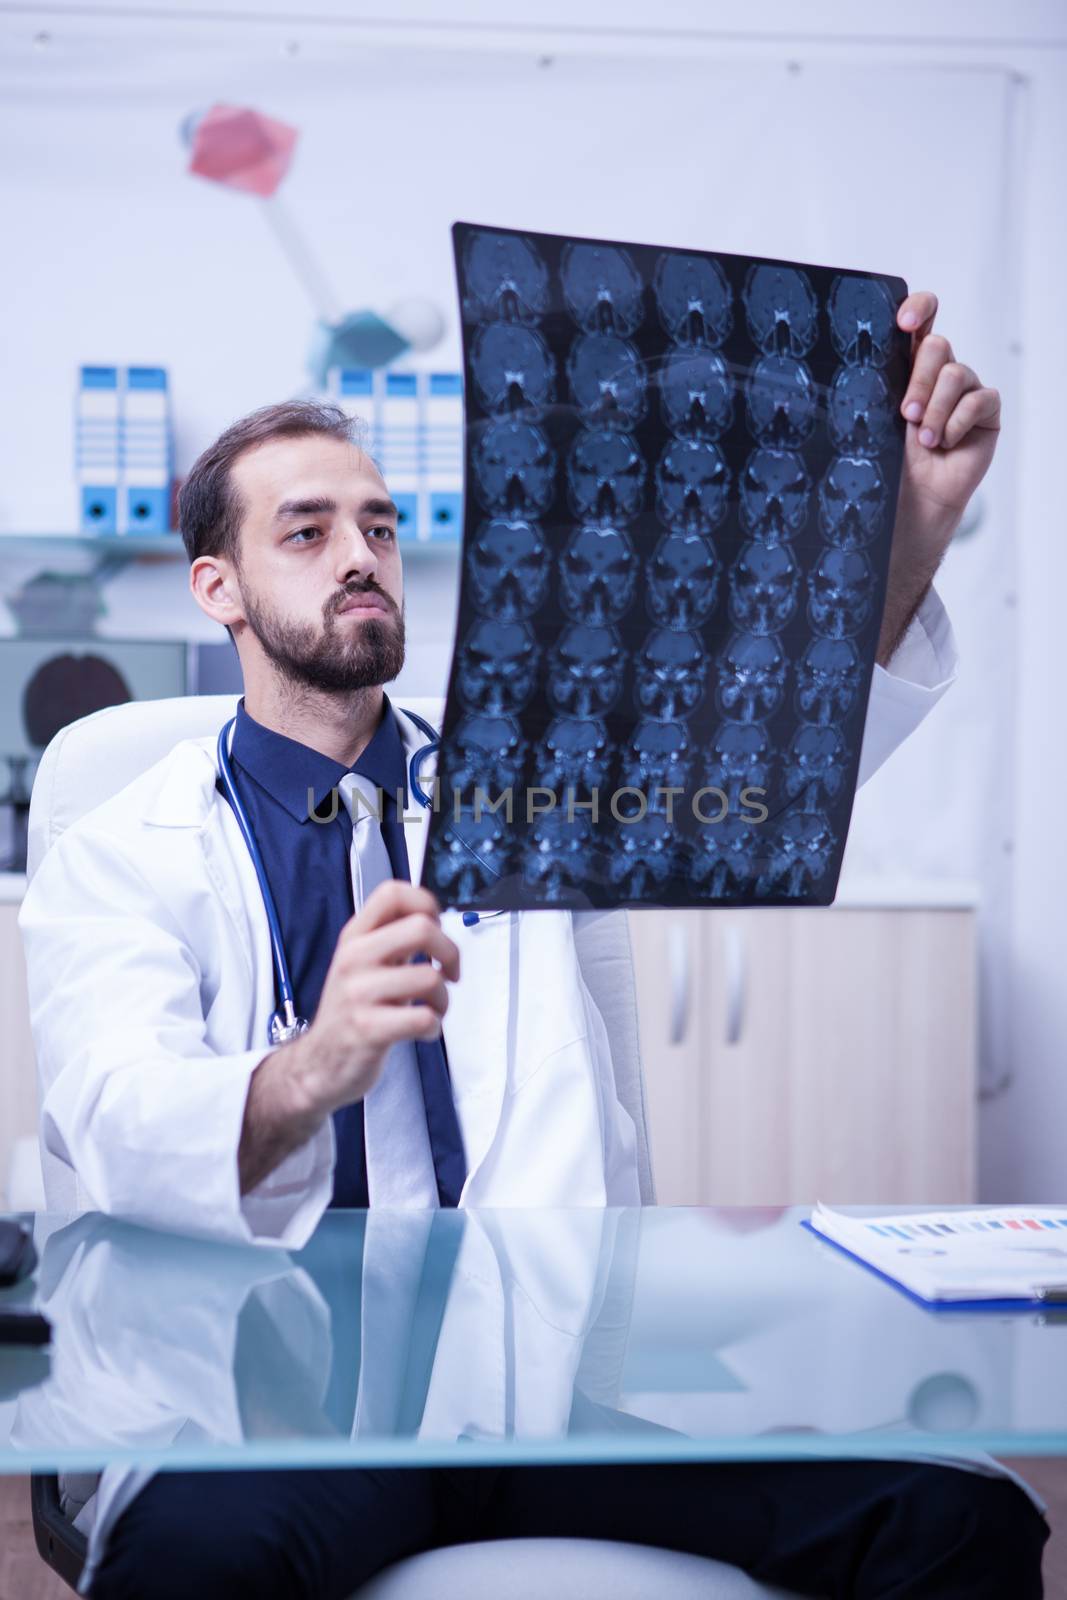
(151, 983)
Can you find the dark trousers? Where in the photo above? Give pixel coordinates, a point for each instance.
(857, 1529)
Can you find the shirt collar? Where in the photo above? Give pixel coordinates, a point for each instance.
(287, 769)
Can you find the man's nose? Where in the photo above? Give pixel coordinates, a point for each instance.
(355, 557)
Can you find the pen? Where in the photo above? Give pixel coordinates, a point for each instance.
(24, 1327)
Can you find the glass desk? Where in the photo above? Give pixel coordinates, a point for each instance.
(478, 1337)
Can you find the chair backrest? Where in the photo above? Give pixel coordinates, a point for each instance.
(94, 758)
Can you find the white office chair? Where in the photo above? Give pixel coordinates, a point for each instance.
(92, 759)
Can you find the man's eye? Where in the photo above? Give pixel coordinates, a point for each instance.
(300, 535)
(385, 530)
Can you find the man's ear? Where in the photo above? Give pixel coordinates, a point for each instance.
(213, 581)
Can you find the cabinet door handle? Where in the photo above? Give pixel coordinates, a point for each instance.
(678, 963)
(736, 973)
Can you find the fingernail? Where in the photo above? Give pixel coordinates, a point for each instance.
(909, 320)
(927, 436)
(914, 411)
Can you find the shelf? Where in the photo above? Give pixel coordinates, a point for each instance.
(169, 545)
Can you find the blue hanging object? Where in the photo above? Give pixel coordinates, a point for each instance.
(361, 339)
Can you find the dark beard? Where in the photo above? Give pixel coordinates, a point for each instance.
(325, 660)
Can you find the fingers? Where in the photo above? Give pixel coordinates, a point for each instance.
(393, 1023)
(400, 985)
(917, 311)
(979, 408)
(391, 900)
(933, 354)
(945, 399)
(952, 382)
(413, 936)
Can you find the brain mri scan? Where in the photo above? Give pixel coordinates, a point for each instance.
(681, 474)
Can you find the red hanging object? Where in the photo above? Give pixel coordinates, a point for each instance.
(242, 149)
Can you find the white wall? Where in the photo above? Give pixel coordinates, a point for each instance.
(876, 136)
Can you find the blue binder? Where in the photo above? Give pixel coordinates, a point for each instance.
(96, 449)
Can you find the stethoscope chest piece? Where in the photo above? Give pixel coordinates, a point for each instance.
(285, 1025)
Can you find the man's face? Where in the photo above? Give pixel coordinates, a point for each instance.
(318, 565)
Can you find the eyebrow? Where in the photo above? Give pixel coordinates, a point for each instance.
(322, 505)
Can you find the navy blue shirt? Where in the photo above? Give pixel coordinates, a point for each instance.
(307, 864)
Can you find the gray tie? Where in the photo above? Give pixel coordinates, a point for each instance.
(400, 1169)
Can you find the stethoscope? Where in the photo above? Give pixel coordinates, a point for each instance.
(286, 1023)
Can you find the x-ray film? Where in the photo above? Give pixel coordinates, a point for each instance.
(681, 481)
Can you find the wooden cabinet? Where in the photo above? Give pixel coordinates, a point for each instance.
(811, 1054)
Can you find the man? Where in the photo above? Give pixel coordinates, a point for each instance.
(410, 1087)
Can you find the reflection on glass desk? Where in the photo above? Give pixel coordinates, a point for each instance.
(457, 1337)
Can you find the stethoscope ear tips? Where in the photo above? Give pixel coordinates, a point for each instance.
(470, 918)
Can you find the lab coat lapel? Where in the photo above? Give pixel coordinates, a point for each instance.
(189, 799)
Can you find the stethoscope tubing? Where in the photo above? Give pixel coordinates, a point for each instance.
(281, 964)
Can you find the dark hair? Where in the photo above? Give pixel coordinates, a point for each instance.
(209, 508)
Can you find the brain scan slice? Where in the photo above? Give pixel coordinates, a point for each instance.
(859, 417)
(573, 754)
(764, 582)
(692, 485)
(751, 678)
(513, 369)
(602, 288)
(829, 674)
(682, 580)
(801, 852)
(781, 309)
(514, 469)
(670, 673)
(585, 671)
(475, 852)
(694, 299)
(775, 490)
(781, 402)
(605, 475)
(509, 567)
(643, 859)
(862, 320)
(488, 752)
(558, 855)
(598, 573)
(815, 765)
(852, 502)
(506, 279)
(657, 756)
(841, 593)
(498, 667)
(607, 380)
(741, 757)
(696, 393)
